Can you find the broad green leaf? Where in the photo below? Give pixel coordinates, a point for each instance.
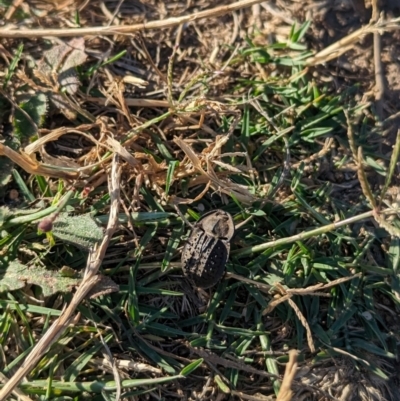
(35, 108)
(80, 230)
(17, 275)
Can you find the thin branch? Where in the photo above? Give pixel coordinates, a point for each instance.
(127, 29)
(302, 236)
(379, 75)
(286, 393)
(347, 43)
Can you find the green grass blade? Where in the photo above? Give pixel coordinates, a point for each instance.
(392, 166)
(187, 370)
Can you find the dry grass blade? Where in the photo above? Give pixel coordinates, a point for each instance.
(392, 166)
(392, 230)
(229, 363)
(311, 290)
(57, 133)
(303, 320)
(379, 73)
(363, 179)
(243, 396)
(305, 324)
(130, 366)
(273, 304)
(119, 149)
(127, 29)
(32, 166)
(89, 281)
(218, 184)
(350, 135)
(286, 294)
(114, 191)
(17, 392)
(322, 153)
(343, 45)
(131, 102)
(285, 393)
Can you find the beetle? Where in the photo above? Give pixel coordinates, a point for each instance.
(207, 249)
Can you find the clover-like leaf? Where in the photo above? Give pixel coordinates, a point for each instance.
(17, 276)
(35, 108)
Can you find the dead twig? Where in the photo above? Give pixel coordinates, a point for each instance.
(32, 166)
(127, 29)
(12, 8)
(286, 294)
(379, 75)
(347, 43)
(286, 393)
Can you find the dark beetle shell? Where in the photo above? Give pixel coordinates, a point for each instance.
(207, 249)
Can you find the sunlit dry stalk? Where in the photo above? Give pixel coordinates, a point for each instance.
(273, 304)
(350, 136)
(379, 72)
(305, 324)
(127, 29)
(170, 78)
(392, 166)
(286, 393)
(287, 293)
(366, 189)
(223, 185)
(308, 234)
(16, 392)
(343, 45)
(392, 230)
(363, 179)
(32, 166)
(57, 133)
(311, 290)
